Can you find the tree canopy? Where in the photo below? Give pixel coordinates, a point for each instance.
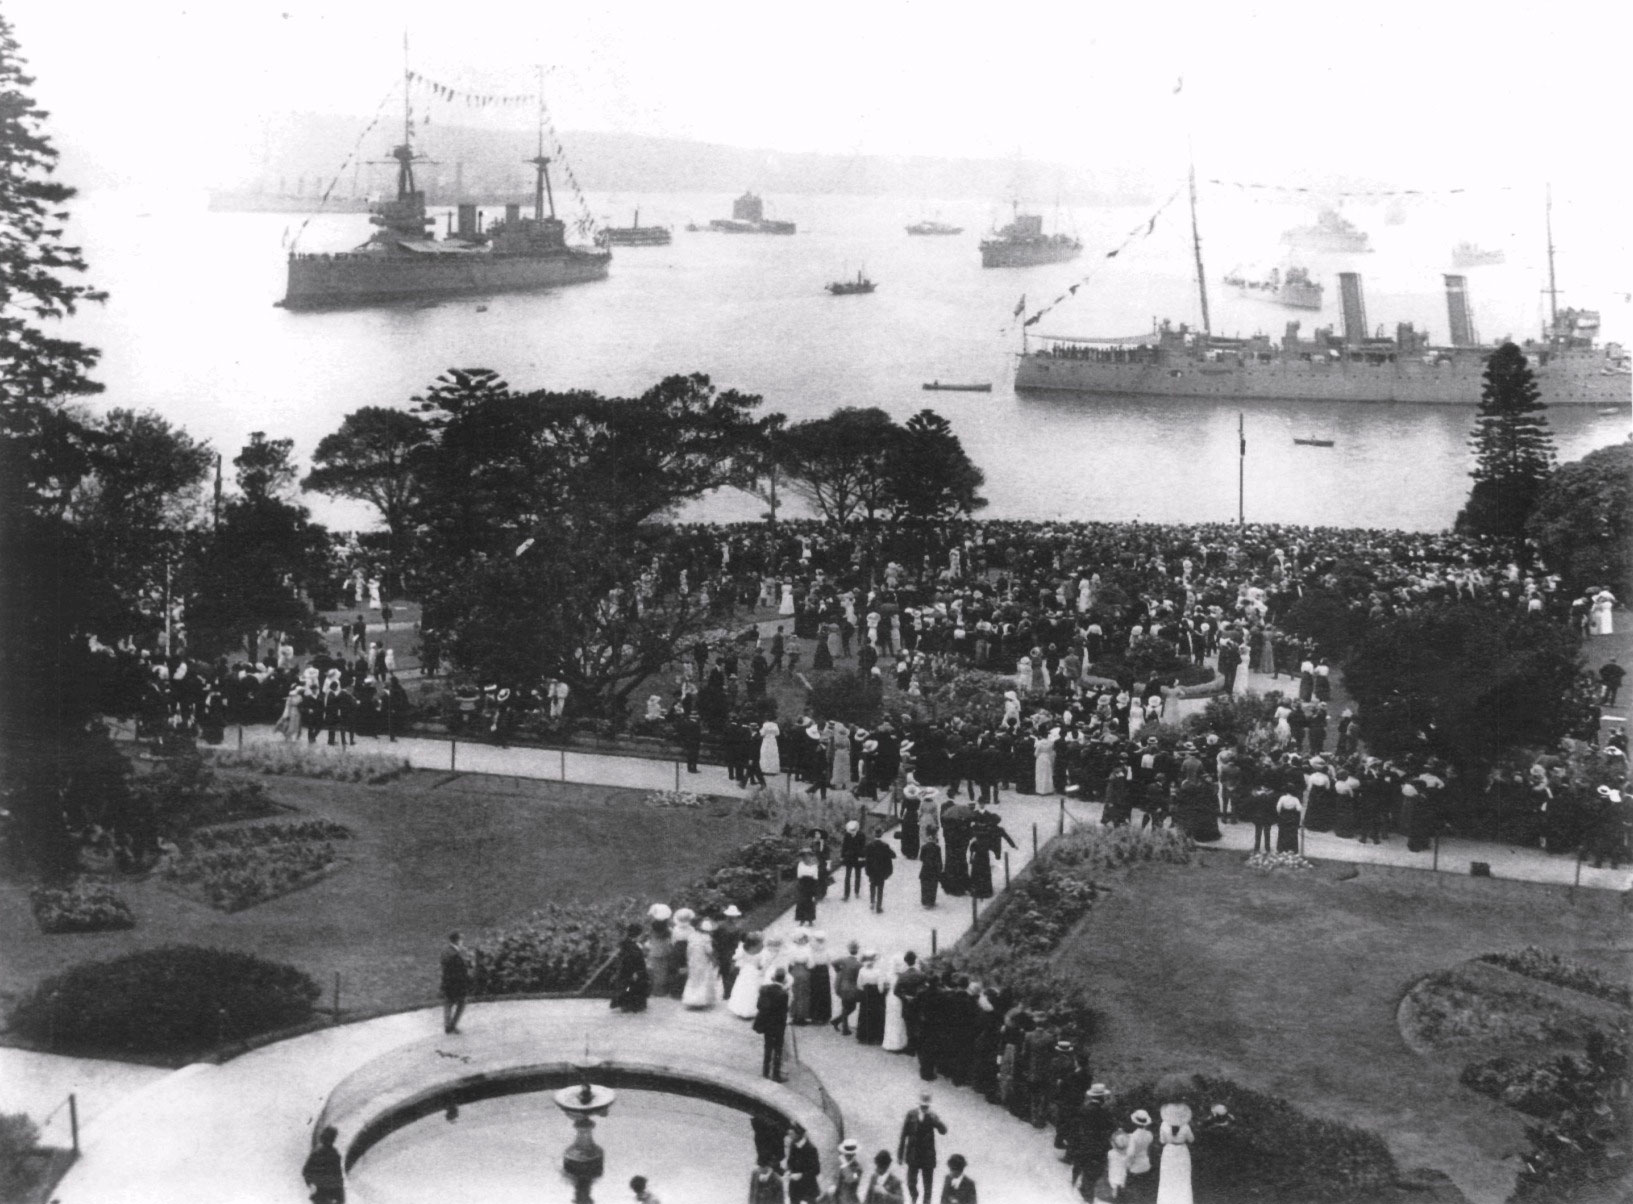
(1583, 520)
(1513, 448)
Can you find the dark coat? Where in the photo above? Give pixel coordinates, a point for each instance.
(917, 1144)
(804, 1160)
(879, 860)
(771, 1011)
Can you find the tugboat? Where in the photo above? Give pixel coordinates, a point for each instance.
(404, 261)
(1469, 255)
(633, 235)
(1331, 232)
(930, 227)
(1295, 290)
(847, 288)
(1023, 243)
(748, 217)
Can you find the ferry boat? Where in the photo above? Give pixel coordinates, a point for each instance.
(1355, 365)
(633, 235)
(405, 261)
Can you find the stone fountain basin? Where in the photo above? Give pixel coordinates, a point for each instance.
(675, 1055)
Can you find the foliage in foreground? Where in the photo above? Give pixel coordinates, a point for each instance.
(174, 999)
(19, 1138)
(85, 905)
(556, 948)
(1582, 1153)
(1279, 1155)
(304, 760)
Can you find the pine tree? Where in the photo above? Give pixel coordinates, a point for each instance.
(1513, 449)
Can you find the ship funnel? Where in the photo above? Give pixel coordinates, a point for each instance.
(1355, 310)
(1457, 311)
(467, 219)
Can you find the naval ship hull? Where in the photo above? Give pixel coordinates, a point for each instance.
(1022, 255)
(335, 281)
(1568, 380)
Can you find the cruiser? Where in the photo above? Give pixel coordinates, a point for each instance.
(1354, 366)
(1295, 290)
(404, 261)
(1331, 232)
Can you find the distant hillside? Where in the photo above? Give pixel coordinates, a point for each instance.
(302, 153)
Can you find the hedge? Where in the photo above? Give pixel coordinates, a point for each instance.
(174, 999)
(555, 948)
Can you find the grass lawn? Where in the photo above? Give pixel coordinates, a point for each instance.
(471, 854)
(1290, 985)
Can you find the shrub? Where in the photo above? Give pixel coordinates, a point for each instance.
(175, 999)
(84, 906)
(235, 868)
(1280, 1156)
(1104, 847)
(1550, 967)
(1269, 863)
(796, 814)
(845, 696)
(181, 793)
(1584, 1147)
(556, 948)
(19, 1139)
(1233, 716)
(1449, 1008)
(307, 761)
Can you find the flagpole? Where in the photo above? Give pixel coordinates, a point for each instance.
(1241, 471)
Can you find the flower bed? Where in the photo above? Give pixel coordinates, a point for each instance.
(306, 761)
(234, 868)
(556, 948)
(683, 800)
(1550, 967)
(1270, 863)
(1455, 1007)
(84, 906)
(173, 999)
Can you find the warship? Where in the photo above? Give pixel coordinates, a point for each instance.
(633, 235)
(1023, 243)
(1331, 232)
(404, 261)
(748, 217)
(1295, 290)
(1356, 365)
(1468, 255)
(930, 227)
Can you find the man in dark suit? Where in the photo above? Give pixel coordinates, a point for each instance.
(1230, 660)
(690, 734)
(771, 1022)
(804, 1165)
(916, 1148)
(910, 984)
(852, 854)
(957, 1187)
(878, 861)
(725, 939)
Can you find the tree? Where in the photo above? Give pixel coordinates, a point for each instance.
(136, 508)
(840, 463)
(1513, 449)
(1583, 520)
(373, 458)
(1466, 681)
(932, 479)
(50, 595)
(259, 568)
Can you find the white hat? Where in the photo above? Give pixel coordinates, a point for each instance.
(853, 826)
(731, 912)
(659, 911)
(1141, 1117)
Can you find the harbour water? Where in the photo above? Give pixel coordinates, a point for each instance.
(191, 329)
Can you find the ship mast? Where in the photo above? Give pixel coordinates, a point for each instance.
(404, 154)
(1553, 291)
(541, 181)
(1196, 244)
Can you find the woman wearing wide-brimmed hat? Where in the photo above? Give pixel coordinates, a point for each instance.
(1175, 1136)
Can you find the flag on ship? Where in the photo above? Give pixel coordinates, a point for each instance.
(1020, 306)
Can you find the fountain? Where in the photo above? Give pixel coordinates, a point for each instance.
(583, 1160)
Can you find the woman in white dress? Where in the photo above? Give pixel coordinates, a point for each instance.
(839, 771)
(289, 723)
(1284, 730)
(770, 759)
(895, 1023)
(1023, 673)
(745, 992)
(1136, 716)
(1174, 1171)
(703, 982)
(1043, 762)
(1604, 606)
(786, 606)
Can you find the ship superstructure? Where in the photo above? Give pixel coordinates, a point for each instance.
(1022, 243)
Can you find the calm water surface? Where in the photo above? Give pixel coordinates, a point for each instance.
(191, 330)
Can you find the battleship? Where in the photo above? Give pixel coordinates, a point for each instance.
(1356, 365)
(747, 217)
(1023, 243)
(1331, 232)
(1295, 290)
(633, 235)
(930, 227)
(404, 261)
(1468, 255)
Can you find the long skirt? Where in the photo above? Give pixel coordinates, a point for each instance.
(870, 1016)
(955, 878)
(799, 1008)
(1287, 834)
(980, 873)
(822, 997)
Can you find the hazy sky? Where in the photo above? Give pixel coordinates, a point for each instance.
(1420, 94)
